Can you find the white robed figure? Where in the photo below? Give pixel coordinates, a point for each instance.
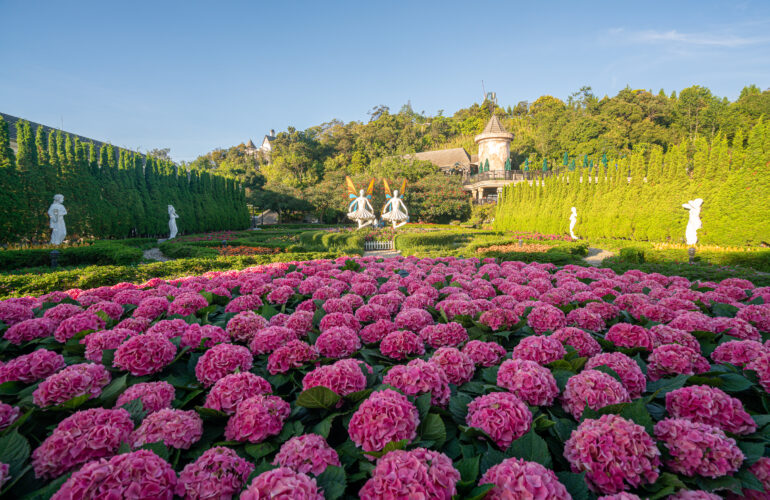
(172, 217)
(691, 233)
(572, 222)
(56, 213)
(395, 210)
(360, 209)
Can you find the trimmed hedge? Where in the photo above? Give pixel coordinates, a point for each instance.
(324, 241)
(104, 252)
(756, 259)
(697, 271)
(17, 285)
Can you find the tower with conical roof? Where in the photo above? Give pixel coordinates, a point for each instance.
(494, 145)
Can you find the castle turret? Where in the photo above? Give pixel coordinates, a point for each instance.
(494, 145)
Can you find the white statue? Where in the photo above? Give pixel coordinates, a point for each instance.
(172, 217)
(395, 210)
(572, 222)
(56, 213)
(360, 209)
(691, 233)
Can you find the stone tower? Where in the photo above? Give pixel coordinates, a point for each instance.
(494, 145)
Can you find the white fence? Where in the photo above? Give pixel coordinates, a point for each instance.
(378, 245)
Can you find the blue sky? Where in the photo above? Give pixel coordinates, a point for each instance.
(194, 76)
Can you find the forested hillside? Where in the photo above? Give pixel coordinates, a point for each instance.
(308, 166)
(109, 192)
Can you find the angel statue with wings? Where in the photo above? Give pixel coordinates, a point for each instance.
(395, 210)
(360, 209)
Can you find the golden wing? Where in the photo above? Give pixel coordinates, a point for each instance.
(351, 186)
(403, 187)
(387, 188)
(370, 189)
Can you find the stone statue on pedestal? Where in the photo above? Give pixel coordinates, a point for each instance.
(360, 209)
(572, 222)
(395, 210)
(691, 233)
(172, 217)
(56, 213)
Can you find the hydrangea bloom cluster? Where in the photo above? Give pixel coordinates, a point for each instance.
(541, 350)
(29, 329)
(738, 352)
(140, 474)
(401, 344)
(71, 382)
(257, 418)
(270, 338)
(282, 484)
(627, 369)
(532, 383)
(209, 335)
(229, 391)
(675, 359)
(176, 428)
(81, 322)
(153, 395)
(418, 473)
(83, 436)
(8, 415)
(186, 304)
(628, 335)
(484, 353)
(518, 478)
(503, 416)
(710, 405)
(457, 366)
(384, 417)
(244, 325)
(97, 342)
(144, 354)
(218, 473)
(221, 360)
(697, 448)
(343, 377)
(292, 354)
(31, 367)
(581, 340)
(593, 389)
(629, 456)
(308, 453)
(420, 377)
(338, 342)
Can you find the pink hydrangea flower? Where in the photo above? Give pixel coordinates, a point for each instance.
(152, 307)
(736, 327)
(691, 321)
(83, 436)
(343, 377)
(384, 417)
(218, 473)
(674, 359)
(144, 354)
(339, 319)
(59, 313)
(545, 317)
(499, 319)
(229, 391)
(418, 473)
(308, 453)
(502, 415)
(301, 322)
(419, 377)
(221, 360)
(153, 395)
(338, 342)
(14, 312)
(532, 383)
(243, 326)
(271, 338)
(337, 305)
(629, 336)
(187, 303)
(757, 315)
(293, 354)
(413, 319)
(377, 331)
(8, 415)
(697, 448)
(484, 353)
(761, 469)
(736, 352)
(401, 344)
(664, 334)
(140, 474)
(71, 382)
(542, 350)
(761, 365)
(593, 389)
(628, 370)
(694, 495)
(458, 366)
(210, 335)
(282, 484)
(629, 457)
(712, 406)
(97, 342)
(257, 418)
(244, 303)
(78, 323)
(517, 478)
(28, 368)
(280, 295)
(175, 428)
(444, 334)
(30, 329)
(138, 325)
(584, 318)
(581, 340)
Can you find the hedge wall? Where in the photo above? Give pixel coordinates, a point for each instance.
(640, 197)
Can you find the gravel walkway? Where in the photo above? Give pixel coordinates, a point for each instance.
(155, 254)
(597, 255)
(382, 253)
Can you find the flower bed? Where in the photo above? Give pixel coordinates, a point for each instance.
(515, 247)
(244, 250)
(389, 378)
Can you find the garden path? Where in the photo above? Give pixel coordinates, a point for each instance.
(382, 253)
(155, 254)
(597, 255)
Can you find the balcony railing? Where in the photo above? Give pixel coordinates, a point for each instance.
(506, 175)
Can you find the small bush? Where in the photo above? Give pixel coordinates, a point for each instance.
(632, 254)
